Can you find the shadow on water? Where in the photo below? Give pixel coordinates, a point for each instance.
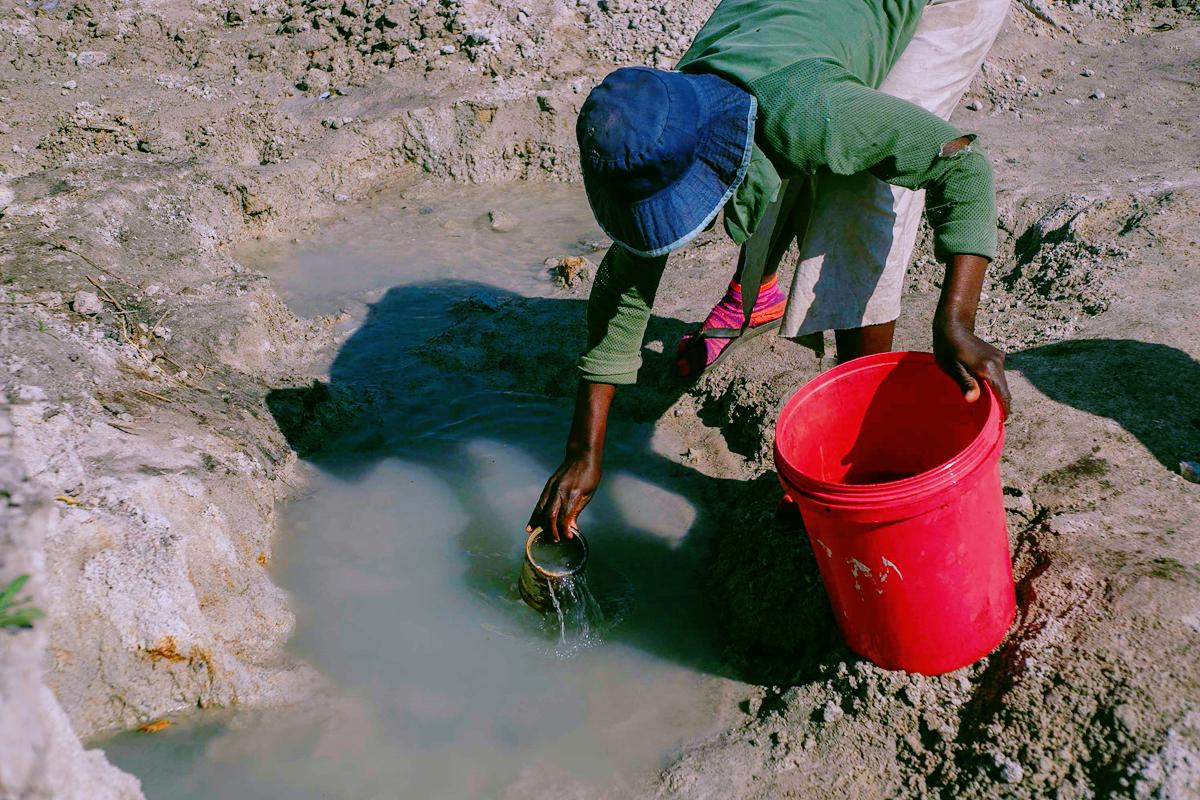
(435, 367)
(1150, 390)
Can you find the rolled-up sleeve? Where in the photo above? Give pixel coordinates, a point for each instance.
(815, 115)
(617, 313)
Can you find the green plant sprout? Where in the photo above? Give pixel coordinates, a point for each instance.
(10, 615)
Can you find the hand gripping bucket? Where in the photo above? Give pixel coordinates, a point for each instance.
(898, 481)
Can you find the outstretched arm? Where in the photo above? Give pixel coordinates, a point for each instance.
(618, 310)
(572, 485)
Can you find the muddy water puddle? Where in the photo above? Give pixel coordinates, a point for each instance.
(402, 557)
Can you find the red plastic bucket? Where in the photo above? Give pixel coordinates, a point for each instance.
(898, 481)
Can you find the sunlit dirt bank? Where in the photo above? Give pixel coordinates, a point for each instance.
(159, 400)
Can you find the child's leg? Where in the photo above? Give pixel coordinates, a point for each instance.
(769, 306)
(868, 340)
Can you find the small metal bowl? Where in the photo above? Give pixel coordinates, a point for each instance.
(538, 580)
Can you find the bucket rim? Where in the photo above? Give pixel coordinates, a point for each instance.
(911, 489)
(549, 573)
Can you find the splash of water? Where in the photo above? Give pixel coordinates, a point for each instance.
(577, 615)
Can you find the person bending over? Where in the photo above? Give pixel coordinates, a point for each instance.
(822, 121)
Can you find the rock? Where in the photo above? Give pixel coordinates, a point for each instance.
(751, 706)
(1072, 101)
(447, 49)
(70, 85)
(86, 303)
(974, 105)
(1127, 716)
(6, 197)
(594, 244)
(91, 58)
(1010, 771)
(832, 712)
(1190, 470)
(1087, 72)
(570, 271)
(315, 80)
(312, 41)
(502, 221)
(1097, 94)
(478, 301)
(40, 755)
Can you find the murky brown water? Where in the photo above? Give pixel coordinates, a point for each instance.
(403, 559)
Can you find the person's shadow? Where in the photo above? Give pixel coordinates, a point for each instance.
(1151, 390)
(739, 595)
(435, 367)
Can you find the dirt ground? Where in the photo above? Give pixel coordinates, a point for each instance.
(139, 142)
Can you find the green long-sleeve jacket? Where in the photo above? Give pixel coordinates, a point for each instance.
(813, 66)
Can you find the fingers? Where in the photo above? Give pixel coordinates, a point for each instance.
(552, 516)
(992, 371)
(966, 382)
(573, 509)
(995, 378)
(538, 518)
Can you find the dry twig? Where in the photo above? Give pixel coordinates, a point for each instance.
(155, 395)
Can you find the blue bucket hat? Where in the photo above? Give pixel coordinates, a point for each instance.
(661, 152)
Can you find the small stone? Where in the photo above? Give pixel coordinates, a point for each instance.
(447, 50)
(1190, 470)
(751, 705)
(502, 221)
(832, 712)
(86, 303)
(594, 244)
(1010, 771)
(425, 210)
(1022, 79)
(91, 58)
(974, 105)
(570, 271)
(911, 694)
(70, 85)
(1127, 716)
(1087, 72)
(1097, 94)
(315, 80)
(1072, 101)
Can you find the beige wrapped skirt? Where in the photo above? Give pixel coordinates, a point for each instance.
(860, 230)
